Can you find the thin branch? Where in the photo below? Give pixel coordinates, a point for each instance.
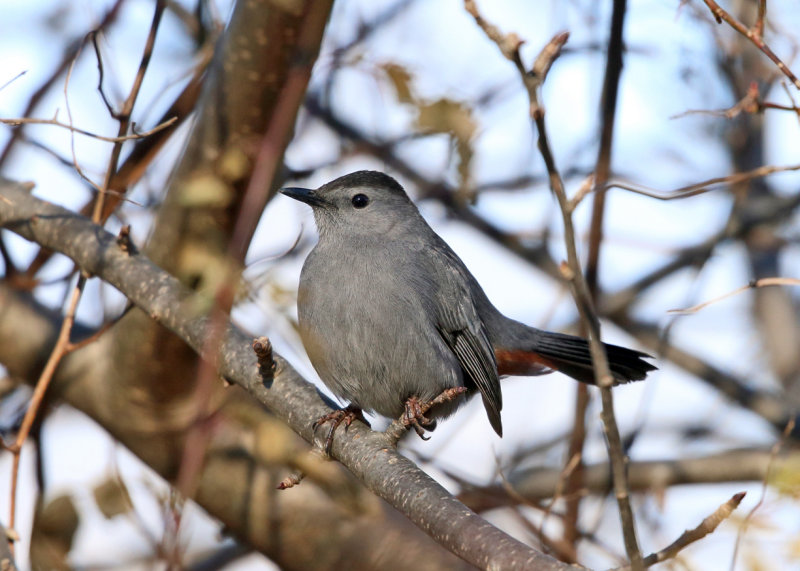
(603, 165)
(124, 115)
(602, 172)
(13, 79)
(535, 485)
(55, 122)
(572, 269)
(751, 103)
(101, 74)
(790, 95)
(707, 526)
(704, 186)
(753, 34)
(763, 282)
(66, 61)
(58, 352)
(776, 448)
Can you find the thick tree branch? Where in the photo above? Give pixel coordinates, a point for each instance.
(537, 484)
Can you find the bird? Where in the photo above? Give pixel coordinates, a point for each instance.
(395, 324)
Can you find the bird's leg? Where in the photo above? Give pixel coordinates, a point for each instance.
(414, 415)
(344, 416)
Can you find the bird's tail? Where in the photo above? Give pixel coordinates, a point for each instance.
(571, 356)
(544, 351)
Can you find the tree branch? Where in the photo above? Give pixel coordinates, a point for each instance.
(367, 454)
(533, 80)
(537, 484)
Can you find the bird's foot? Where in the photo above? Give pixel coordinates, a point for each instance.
(336, 418)
(414, 415)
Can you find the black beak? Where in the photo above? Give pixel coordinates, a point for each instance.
(307, 195)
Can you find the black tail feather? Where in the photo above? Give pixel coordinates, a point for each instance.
(572, 357)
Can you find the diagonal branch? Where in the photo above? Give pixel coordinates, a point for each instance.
(367, 454)
(753, 34)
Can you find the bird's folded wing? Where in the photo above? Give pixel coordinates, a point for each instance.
(465, 334)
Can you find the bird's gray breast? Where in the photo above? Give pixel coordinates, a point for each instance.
(367, 319)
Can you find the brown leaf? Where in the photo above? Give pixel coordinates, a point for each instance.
(112, 498)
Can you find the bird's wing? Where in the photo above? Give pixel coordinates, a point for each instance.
(462, 329)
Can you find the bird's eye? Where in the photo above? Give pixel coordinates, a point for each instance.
(360, 200)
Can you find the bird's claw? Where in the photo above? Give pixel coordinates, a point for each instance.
(336, 418)
(414, 415)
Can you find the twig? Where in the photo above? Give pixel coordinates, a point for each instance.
(75, 164)
(772, 456)
(602, 172)
(55, 122)
(124, 115)
(753, 34)
(704, 186)
(59, 350)
(100, 332)
(70, 55)
(140, 156)
(789, 94)
(101, 74)
(763, 282)
(571, 270)
(751, 103)
(13, 79)
(707, 526)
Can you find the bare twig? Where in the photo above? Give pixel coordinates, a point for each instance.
(58, 352)
(773, 455)
(124, 115)
(55, 122)
(13, 79)
(140, 156)
(753, 34)
(602, 172)
(763, 282)
(790, 95)
(707, 526)
(572, 269)
(66, 61)
(750, 103)
(704, 186)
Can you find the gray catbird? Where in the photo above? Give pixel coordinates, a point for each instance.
(391, 318)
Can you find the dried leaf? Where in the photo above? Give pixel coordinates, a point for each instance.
(401, 80)
(112, 498)
(447, 116)
(54, 527)
(786, 478)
